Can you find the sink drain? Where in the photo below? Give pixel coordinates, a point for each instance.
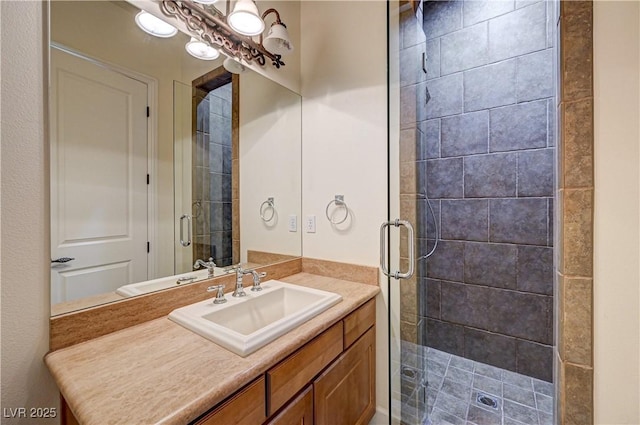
(487, 400)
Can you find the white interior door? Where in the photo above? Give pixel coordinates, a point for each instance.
(98, 178)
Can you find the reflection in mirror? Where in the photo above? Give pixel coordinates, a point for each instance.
(211, 182)
(159, 159)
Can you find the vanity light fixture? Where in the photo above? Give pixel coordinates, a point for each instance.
(201, 50)
(155, 26)
(232, 32)
(277, 40)
(206, 1)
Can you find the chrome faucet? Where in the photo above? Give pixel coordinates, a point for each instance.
(256, 280)
(210, 265)
(239, 291)
(240, 272)
(219, 290)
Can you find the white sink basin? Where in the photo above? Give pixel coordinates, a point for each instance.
(147, 286)
(243, 325)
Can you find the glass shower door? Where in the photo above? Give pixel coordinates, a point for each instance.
(479, 313)
(184, 208)
(203, 174)
(399, 250)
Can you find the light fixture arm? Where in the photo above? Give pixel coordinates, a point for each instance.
(213, 29)
(278, 21)
(268, 11)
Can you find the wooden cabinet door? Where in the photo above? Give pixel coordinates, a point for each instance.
(345, 393)
(298, 412)
(296, 371)
(247, 407)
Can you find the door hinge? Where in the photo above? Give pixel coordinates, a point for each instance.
(148, 179)
(148, 112)
(148, 247)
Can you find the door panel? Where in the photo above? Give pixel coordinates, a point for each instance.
(73, 283)
(98, 177)
(345, 391)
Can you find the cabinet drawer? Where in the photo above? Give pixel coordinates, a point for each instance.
(298, 412)
(295, 372)
(358, 322)
(345, 392)
(247, 407)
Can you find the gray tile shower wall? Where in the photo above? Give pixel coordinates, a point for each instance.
(212, 180)
(487, 152)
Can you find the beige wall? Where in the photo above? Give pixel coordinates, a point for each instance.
(344, 134)
(270, 165)
(344, 126)
(25, 213)
(617, 212)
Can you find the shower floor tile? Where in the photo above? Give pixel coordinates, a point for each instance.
(453, 390)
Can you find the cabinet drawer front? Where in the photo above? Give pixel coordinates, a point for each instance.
(247, 407)
(345, 392)
(358, 322)
(292, 374)
(298, 412)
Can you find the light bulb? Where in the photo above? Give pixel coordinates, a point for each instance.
(155, 26)
(245, 19)
(201, 50)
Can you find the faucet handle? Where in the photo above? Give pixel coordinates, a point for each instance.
(256, 280)
(220, 299)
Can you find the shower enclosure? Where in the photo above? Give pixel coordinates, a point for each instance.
(472, 101)
(203, 154)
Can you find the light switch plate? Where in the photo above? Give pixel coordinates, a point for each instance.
(293, 223)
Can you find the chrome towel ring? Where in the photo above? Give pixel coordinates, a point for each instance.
(339, 202)
(265, 207)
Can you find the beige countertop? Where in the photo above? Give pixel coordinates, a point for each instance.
(69, 306)
(161, 373)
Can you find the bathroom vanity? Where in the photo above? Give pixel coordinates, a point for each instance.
(158, 372)
(333, 375)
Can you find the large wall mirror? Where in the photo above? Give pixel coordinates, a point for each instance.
(159, 159)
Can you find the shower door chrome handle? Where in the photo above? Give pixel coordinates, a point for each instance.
(383, 249)
(184, 242)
